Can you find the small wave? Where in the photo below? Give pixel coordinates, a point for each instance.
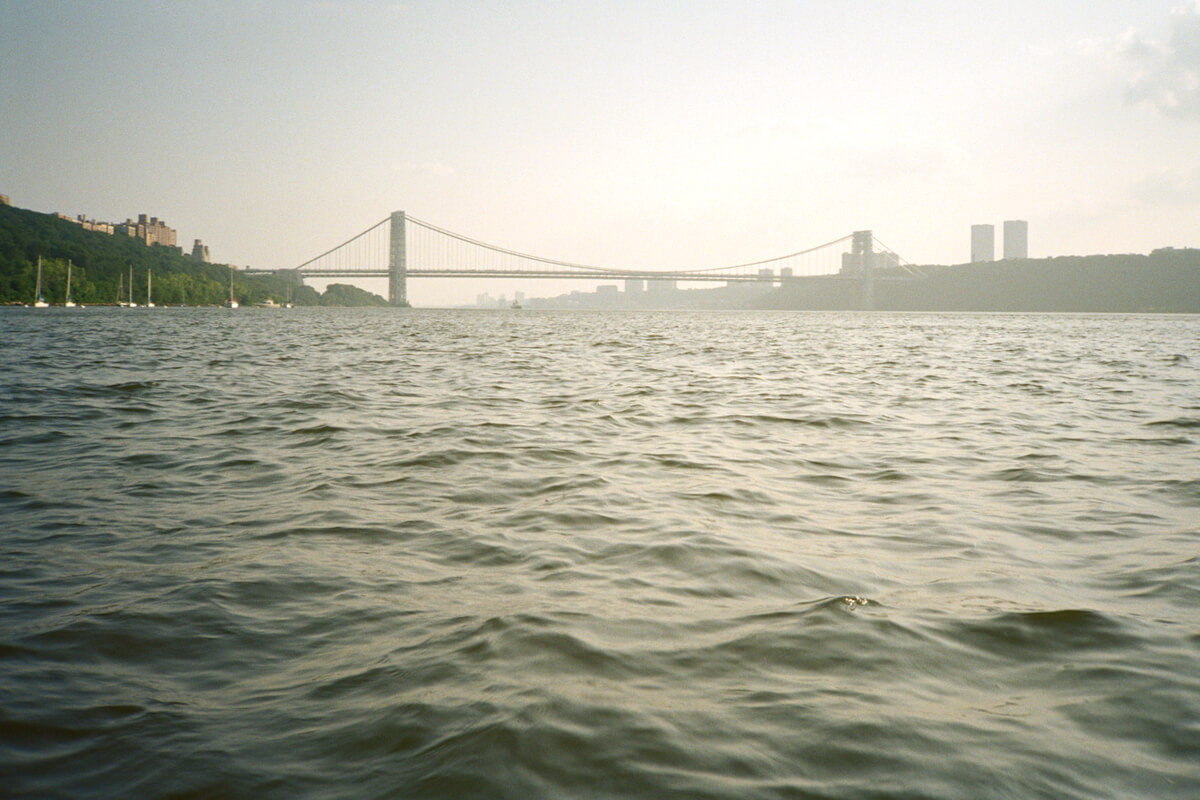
(675, 462)
(134, 410)
(1032, 388)
(835, 604)
(1159, 440)
(1037, 635)
(889, 475)
(1187, 423)
(148, 459)
(436, 459)
(234, 463)
(319, 432)
(1018, 474)
(1187, 490)
(106, 390)
(835, 421)
(724, 496)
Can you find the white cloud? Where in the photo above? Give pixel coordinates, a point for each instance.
(1167, 73)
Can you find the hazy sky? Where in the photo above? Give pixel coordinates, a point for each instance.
(656, 133)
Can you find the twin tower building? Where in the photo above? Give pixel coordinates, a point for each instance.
(1016, 241)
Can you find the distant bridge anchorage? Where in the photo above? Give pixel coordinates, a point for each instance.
(400, 247)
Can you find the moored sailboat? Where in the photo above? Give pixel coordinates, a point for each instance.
(68, 302)
(149, 302)
(38, 300)
(232, 301)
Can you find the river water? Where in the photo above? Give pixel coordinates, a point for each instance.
(355, 553)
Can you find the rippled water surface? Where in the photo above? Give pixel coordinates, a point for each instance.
(376, 553)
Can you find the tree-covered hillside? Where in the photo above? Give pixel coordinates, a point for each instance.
(1167, 280)
(100, 267)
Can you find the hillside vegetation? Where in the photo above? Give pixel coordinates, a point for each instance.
(1167, 280)
(100, 266)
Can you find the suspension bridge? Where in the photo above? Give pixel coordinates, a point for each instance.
(400, 247)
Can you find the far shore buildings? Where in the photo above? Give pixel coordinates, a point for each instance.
(983, 243)
(89, 224)
(1016, 238)
(150, 230)
(1016, 241)
(200, 252)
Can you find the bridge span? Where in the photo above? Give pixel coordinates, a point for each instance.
(400, 247)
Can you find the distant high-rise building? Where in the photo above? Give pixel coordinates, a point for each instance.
(983, 243)
(150, 230)
(634, 286)
(1016, 238)
(200, 252)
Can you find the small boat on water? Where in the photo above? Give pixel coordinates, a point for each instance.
(68, 302)
(268, 303)
(516, 305)
(39, 300)
(131, 304)
(232, 301)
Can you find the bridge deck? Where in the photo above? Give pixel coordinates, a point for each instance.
(574, 275)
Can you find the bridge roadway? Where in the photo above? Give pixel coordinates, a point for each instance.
(610, 275)
(457, 256)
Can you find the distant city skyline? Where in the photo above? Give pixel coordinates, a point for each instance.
(610, 133)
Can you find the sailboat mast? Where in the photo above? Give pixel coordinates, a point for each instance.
(68, 300)
(38, 292)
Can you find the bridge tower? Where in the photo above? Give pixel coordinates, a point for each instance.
(863, 246)
(398, 263)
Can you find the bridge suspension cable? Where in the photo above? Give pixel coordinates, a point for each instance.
(900, 261)
(428, 250)
(618, 271)
(348, 243)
